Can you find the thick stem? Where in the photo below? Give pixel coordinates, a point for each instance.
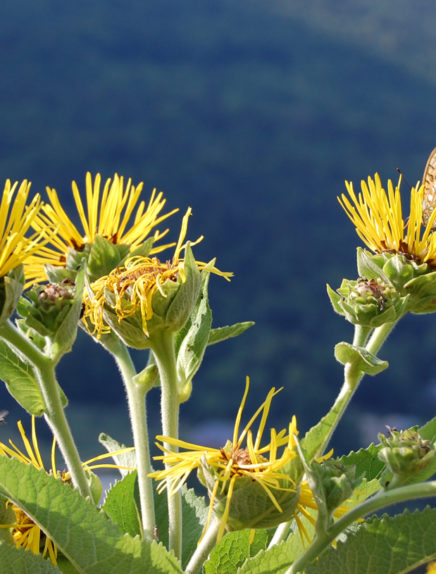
(138, 418)
(381, 500)
(162, 345)
(54, 414)
(353, 376)
(203, 549)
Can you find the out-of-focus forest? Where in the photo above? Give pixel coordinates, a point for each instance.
(253, 113)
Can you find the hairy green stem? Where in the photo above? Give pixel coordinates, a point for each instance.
(381, 500)
(203, 549)
(353, 376)
(136, 394)
(162, 345)
(54, 414)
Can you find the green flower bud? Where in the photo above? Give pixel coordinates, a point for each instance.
(336, 481)
(250, 505)
(405, 454)
(45, 307)
(367, 302)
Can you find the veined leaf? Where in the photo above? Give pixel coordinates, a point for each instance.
(233, 550)
(222, 333)
(387, 545)
(85, 535)
(19, 561)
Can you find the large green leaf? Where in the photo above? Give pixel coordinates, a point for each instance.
(19, 561)
(85, 535)
(383, 546)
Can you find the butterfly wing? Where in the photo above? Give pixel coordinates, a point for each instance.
(429, 181)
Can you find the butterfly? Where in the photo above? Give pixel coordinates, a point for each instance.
(3, 414)
(429, 181)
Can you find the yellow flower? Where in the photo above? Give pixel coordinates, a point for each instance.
(108, 214)
(379, 221)
(25, 532)
(431, 568)
(15, 220)
(242, 462)
(130, 288)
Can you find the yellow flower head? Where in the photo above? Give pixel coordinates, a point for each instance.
(107, 213)
(25, 532)
(15, 220)
(378, 217)
(131, 288)
(241, 463)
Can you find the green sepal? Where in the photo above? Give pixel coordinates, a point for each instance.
(370, 265)
(250, 505)
(422, 291)
(104, 256)
(223, 333)
(192, 339)
(11, 287)
(129, 329)
(365, 361)
(142, 251)
(173, 311)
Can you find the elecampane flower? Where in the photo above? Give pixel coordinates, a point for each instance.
(25, 532)
(240, 459)
(112, 212)
(16, 218)
(133, 285)
(378, 217)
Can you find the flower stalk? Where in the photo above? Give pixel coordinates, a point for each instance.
(54, 411)
(162, 345)
(136, 394)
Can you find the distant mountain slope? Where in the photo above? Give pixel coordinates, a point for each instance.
(401, 32)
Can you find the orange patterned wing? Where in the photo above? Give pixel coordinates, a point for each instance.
(429, 181)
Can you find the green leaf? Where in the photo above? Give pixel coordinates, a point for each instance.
(20, 381)
(275, 560)
(366, 361)
(122, 504)
(85, 535)
(428, 431)
(370, 266)
(366, 462)
(11, 287)
(193, 345)
(383, 546)
(19, 561)
(222, 333)
(127, 459)
(233, 550)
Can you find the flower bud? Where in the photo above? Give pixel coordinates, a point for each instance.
(367, 302)
(45, 307)
(405, 453)
(337, 482)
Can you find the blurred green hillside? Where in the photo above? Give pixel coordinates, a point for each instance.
(253, 113)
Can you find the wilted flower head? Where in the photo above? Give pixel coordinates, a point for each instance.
(148, 288)
(25, 532)
(250, 485)
(112, 213)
